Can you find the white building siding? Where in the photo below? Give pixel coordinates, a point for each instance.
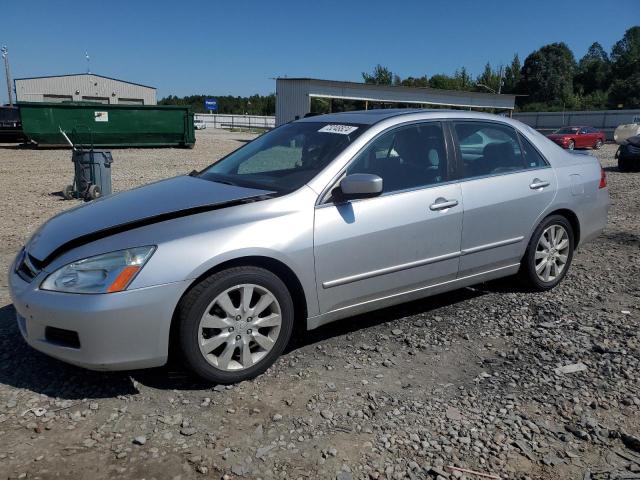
(87, 87)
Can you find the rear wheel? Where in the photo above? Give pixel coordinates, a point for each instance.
(598, 144)
(93, 192)
(235, 324)
(548, 254)
(571, 145)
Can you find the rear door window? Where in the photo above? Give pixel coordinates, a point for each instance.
(532, 157)
(488, 148)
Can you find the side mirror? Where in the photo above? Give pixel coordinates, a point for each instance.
(360, 185)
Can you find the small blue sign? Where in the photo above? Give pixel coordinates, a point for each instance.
(211, 104)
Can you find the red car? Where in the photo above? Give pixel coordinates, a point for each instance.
(578, 137)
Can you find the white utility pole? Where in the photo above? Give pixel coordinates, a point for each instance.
(5, 56)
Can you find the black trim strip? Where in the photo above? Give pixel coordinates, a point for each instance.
(107, 232)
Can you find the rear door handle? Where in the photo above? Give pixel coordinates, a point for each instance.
(537, 183)
(443, 204)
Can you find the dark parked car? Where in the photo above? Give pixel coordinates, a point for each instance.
(578, 137)
(629, 155)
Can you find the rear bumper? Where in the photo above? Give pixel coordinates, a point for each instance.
(595, 219)
(116, 331)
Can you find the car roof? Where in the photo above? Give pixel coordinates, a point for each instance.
(370, 117)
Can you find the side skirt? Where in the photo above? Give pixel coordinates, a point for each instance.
(409, 295)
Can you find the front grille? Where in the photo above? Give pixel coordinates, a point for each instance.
(62, 337)
(26, 268)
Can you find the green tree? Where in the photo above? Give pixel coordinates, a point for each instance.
(254, 105)
(418, 82)
(489, 79)
(594, 71)
(380, 76)
(463, 79)
(625, 54)
(511, 82)
(547, 74)
(443, 81)
(626, 92)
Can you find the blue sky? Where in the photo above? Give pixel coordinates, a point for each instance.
(237, 47)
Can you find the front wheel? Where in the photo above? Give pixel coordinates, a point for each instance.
(549, 254)
(571, 145)
(67, 192)
(235, 324)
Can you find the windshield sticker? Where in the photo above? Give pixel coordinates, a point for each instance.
(340, 129)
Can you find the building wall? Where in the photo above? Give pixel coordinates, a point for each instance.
(292, 100)
(83, 88)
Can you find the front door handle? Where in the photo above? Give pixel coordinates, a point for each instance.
(537, 183)
(442, 204)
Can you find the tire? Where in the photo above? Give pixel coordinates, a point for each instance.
(535, 279)
(93, 192)
(67, 192)
(571, 145)
(205, 298)
(622, 164)
(598, 145)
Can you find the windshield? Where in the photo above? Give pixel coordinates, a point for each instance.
(567, 130)
(285, 158)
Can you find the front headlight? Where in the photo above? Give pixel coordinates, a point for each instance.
(108, 273)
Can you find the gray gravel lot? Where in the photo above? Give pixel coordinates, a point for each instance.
(477, 379)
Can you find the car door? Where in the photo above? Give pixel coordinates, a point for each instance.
(581, 137)
(402, 240)
(505, 191)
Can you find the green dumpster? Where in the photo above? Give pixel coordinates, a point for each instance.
(108, 125)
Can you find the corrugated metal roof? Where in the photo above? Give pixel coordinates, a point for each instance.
(373, 86)
(369, 117)
(85, 74)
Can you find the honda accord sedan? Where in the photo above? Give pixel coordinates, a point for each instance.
(317, 220)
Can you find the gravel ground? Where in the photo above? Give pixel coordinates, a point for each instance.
(491, 379)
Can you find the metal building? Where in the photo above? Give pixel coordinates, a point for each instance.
(293, 96)
(86, 87)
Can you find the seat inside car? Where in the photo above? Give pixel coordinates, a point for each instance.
(418, 160)
(497, 157)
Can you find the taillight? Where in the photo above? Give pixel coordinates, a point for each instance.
(603, 178)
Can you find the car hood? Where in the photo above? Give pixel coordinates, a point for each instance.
(156, 202)
(558, 136)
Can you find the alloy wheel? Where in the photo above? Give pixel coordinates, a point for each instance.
(240, 327)
(552, 253)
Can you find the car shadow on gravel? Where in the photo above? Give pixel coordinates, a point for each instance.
(23, 367)
(345, 326)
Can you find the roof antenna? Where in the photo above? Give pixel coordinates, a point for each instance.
(86, 55)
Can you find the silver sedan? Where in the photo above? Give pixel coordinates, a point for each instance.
(315, 221)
